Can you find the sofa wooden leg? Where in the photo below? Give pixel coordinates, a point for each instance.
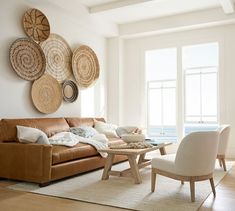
(41, 185)
(182, 182)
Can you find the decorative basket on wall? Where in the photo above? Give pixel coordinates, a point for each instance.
(27, 59)
(36, 25)
(46, 94)
(58, 56)
(70, 91)
(85, 66)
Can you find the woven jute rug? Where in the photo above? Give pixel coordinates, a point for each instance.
(121, 192)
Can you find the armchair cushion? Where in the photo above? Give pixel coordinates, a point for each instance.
(165, 163)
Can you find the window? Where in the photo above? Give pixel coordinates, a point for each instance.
(161, 71)
(197, 90)
(200, 66)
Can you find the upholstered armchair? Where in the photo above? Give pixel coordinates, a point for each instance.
(224, 131)
(194, 161)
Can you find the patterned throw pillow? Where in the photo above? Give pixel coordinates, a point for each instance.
(84, 131)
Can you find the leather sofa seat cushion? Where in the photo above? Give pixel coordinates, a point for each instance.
(61, 154)
(50, 126)
(76, 121)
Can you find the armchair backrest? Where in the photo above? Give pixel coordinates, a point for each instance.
(197, 153)
(224, 131)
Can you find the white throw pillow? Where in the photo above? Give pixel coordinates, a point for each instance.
(31, 135)
(64, 138)
(108, 129)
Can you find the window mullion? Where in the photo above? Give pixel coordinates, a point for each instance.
(200, 97)
(162, 105)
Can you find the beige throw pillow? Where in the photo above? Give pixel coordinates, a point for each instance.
(108, 129)
(31, 135)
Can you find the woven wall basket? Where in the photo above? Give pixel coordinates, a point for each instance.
(58, 56)
(27, 59)
(70, 91)
(46, 94)
(85, 66)
(36, 25)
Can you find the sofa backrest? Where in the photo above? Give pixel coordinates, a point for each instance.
(50, 126)
(76, 121)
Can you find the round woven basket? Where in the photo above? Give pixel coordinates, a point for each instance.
(58, 56)
(46, 94)
(70, 91)
(36, 25)
(27, 59)
(85, 66)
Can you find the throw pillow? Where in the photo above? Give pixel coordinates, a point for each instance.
(84, 131)
(65, 139)
(108, 129)
(31, 135)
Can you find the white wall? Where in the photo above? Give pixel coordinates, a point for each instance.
(133, 110)
(71, 22)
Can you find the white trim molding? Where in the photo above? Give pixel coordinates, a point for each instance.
(227, 5)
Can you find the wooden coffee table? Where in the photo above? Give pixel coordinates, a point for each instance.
(134, 164)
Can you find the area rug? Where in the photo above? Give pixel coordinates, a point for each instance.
(121, 192)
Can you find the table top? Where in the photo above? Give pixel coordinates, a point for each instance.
(133, 151)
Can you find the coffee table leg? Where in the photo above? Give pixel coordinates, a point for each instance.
(141, 158)
(162, 151)
(108, 166)
(134, 169)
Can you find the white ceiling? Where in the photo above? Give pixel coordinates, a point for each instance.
(126, 11)
(91, 3)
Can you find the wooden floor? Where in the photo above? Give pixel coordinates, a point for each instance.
(11, 200)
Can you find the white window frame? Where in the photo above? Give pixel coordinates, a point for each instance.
(200, 74)
(162, 87)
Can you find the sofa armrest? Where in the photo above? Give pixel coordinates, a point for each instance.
(28, 162)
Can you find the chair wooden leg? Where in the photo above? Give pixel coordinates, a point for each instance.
(220, 162)
(213, 186)
(224, 164)
(153, 181)
(192, 190)
(182, 182)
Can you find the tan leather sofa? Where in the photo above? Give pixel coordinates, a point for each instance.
(45, 163)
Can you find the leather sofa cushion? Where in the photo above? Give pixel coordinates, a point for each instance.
(76, 121)
(50, 126)
(61, 154)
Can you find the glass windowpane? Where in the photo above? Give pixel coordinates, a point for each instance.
(192, 94)
(169, 109)
(155, 107)
(161, 64)
(200, 55)
(209, 94)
